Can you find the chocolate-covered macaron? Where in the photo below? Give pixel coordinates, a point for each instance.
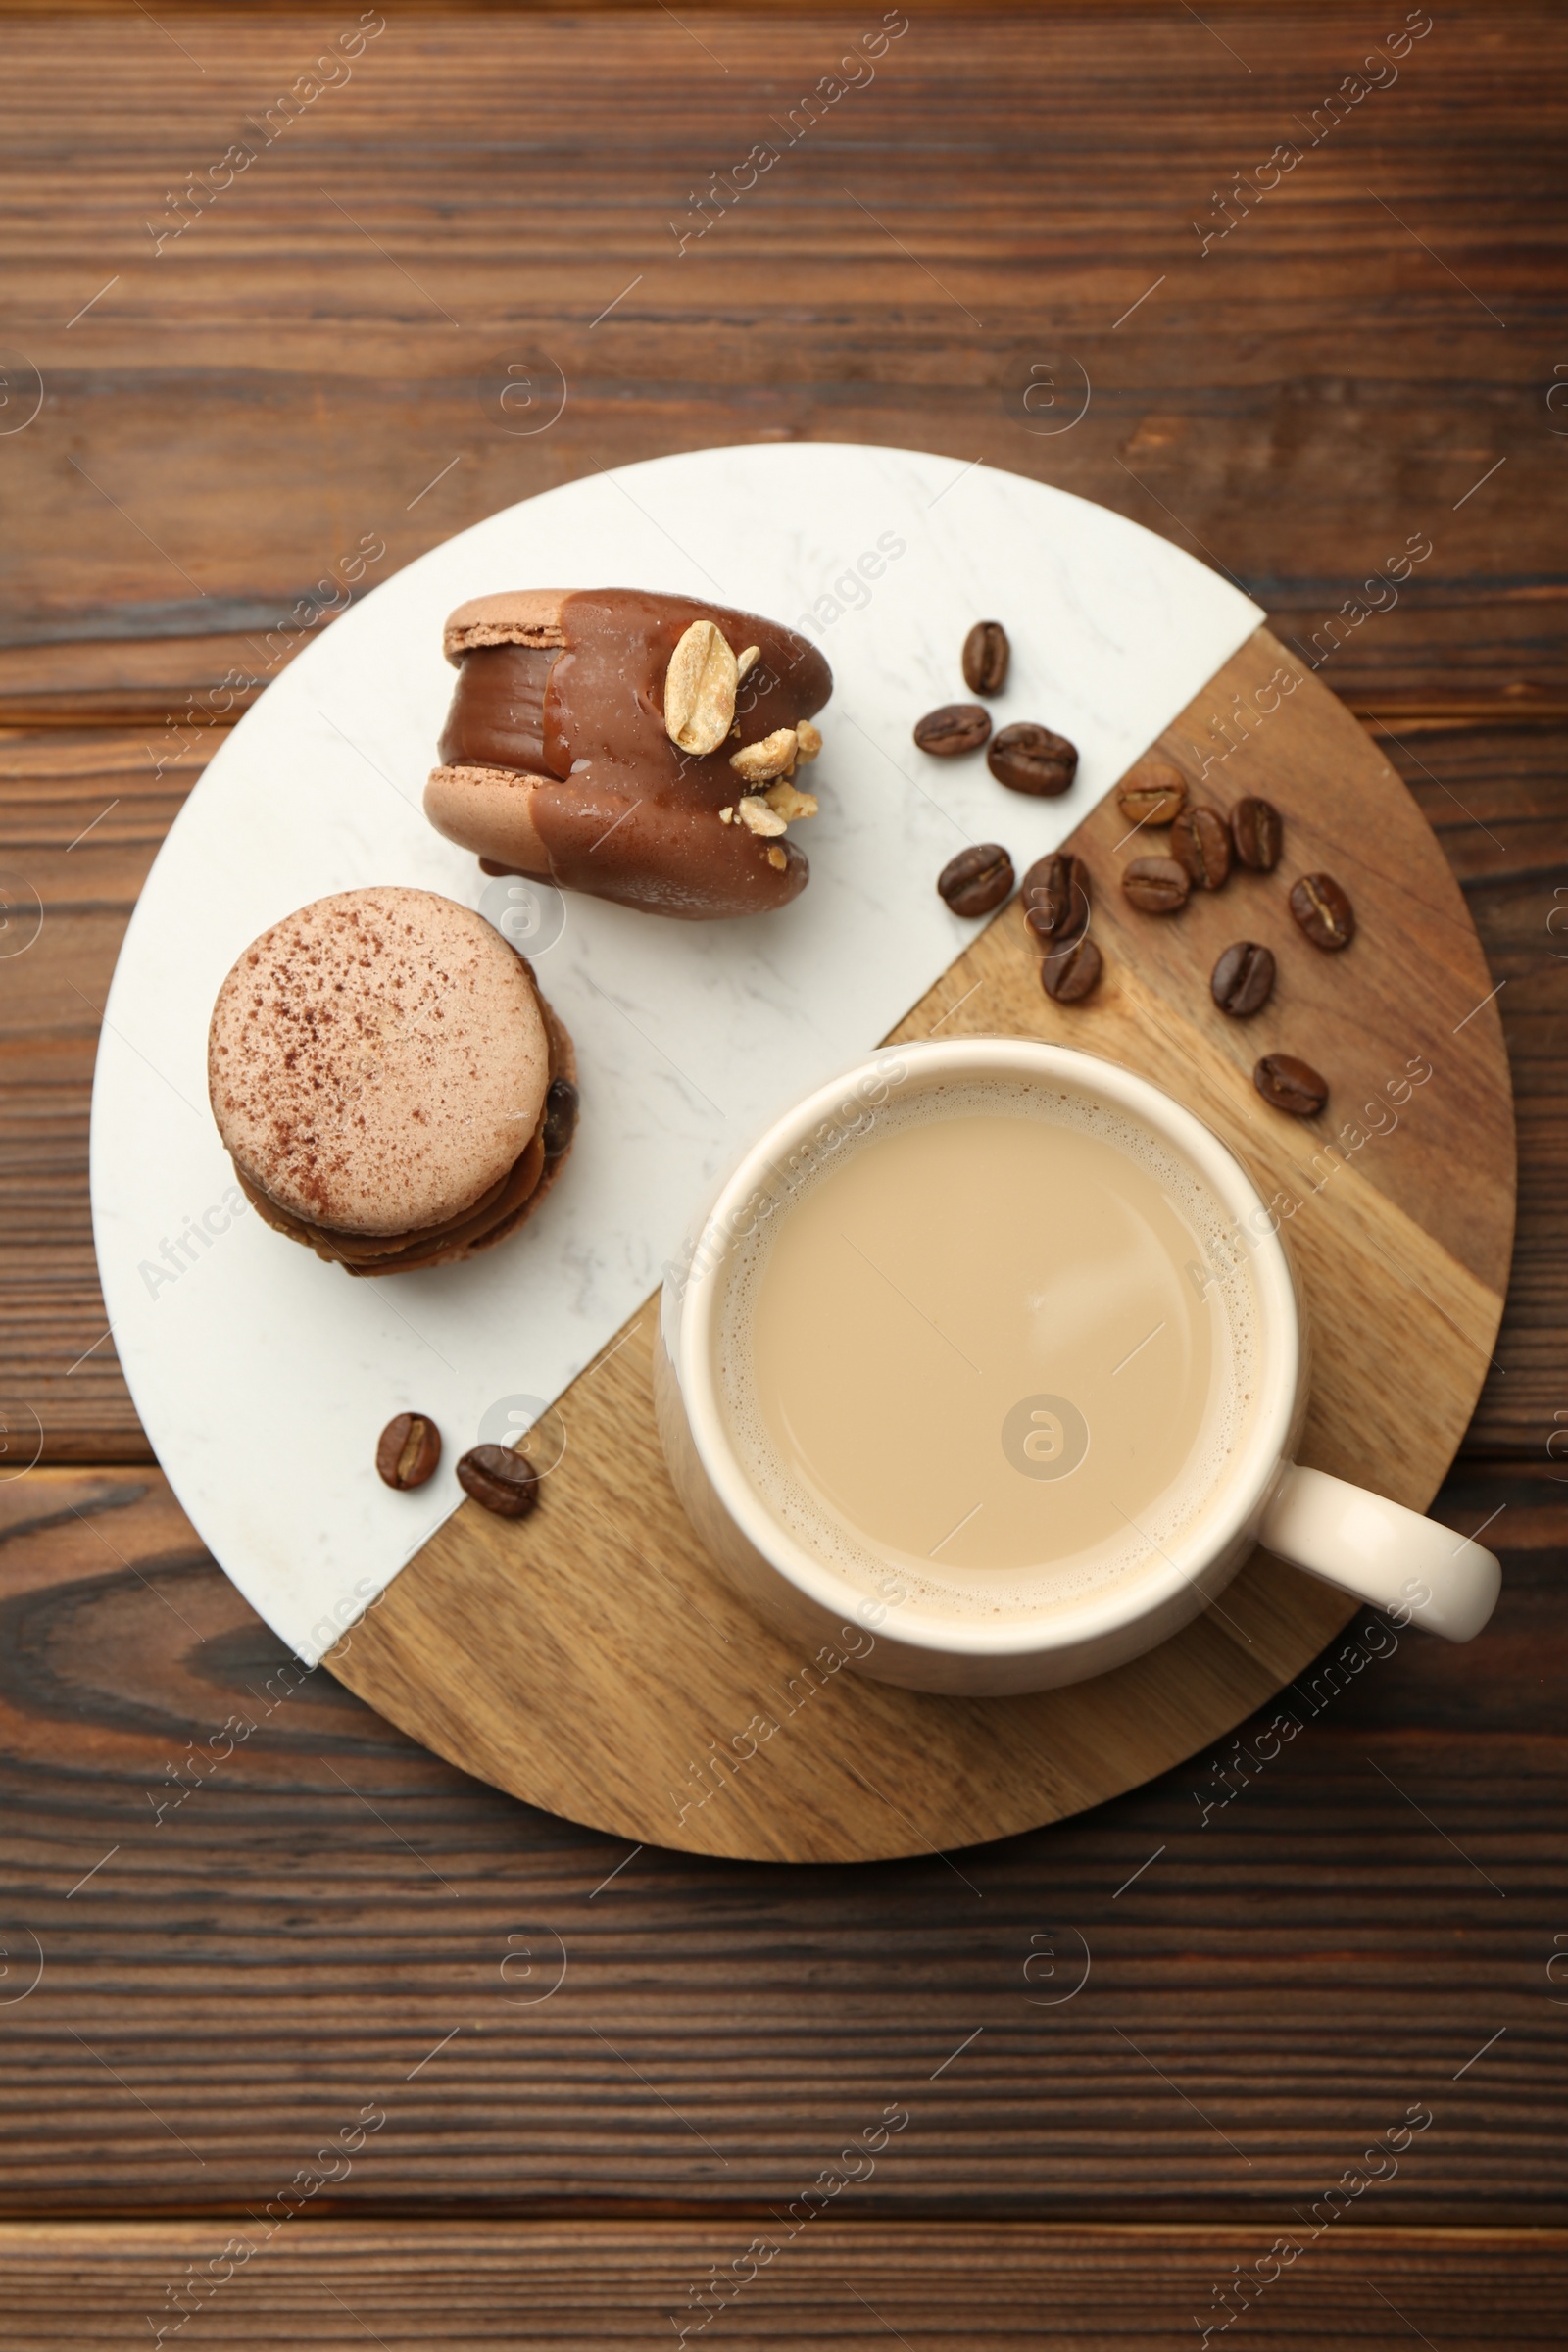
(636, 747)
(391, 1086)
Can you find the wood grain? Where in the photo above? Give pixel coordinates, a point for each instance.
(1290, 408)
(579, 2288)
(1299, 1962)
(593, 1661)
(1291, 404)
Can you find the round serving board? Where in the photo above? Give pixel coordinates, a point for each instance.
(593, 1661)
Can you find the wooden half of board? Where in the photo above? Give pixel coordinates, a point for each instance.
(594, 1661)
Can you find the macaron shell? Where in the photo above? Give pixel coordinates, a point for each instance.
(669, 860)
(488, 810)
(378, 1061)
(498, 1213)
(512, 616)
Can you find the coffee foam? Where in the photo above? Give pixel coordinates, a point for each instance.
(891, 1580)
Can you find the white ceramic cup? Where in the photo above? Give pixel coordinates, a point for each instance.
(1360, 1542)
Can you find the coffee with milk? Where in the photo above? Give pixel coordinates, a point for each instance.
(995, 1352)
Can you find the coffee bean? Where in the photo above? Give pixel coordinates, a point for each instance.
(1291, 1085)
(1323, 912)
(1056, 898)
(956, 727)
(977, 879)
(1073, 972)
(561, 1117)
(1243, 979)
(1201, 841)
(1030, 758)
(1151, 792)
(505, 1481)
(1156, 885)
(408, 1451)
(1258, 831)
(985, 657)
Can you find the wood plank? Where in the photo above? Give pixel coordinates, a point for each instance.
(940, 2286)
(1507, 842)
(1293, 403)
(83, 815)
(1299, 1964)
(1256, 482)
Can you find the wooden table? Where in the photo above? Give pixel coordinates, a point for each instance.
(316, 2011)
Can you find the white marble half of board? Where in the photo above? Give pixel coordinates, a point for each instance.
(262, 1375)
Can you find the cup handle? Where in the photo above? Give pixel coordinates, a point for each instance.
(1410, 1566)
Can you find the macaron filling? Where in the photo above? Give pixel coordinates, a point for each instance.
(497, 717)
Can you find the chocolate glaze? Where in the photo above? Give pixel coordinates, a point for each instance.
(622, 811)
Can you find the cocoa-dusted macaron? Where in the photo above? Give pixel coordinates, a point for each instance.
(391, 1086)
(636, 747)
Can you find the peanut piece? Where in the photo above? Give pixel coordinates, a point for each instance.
(757, 817)
(786, 802)
(760, 763)
(699, 688)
